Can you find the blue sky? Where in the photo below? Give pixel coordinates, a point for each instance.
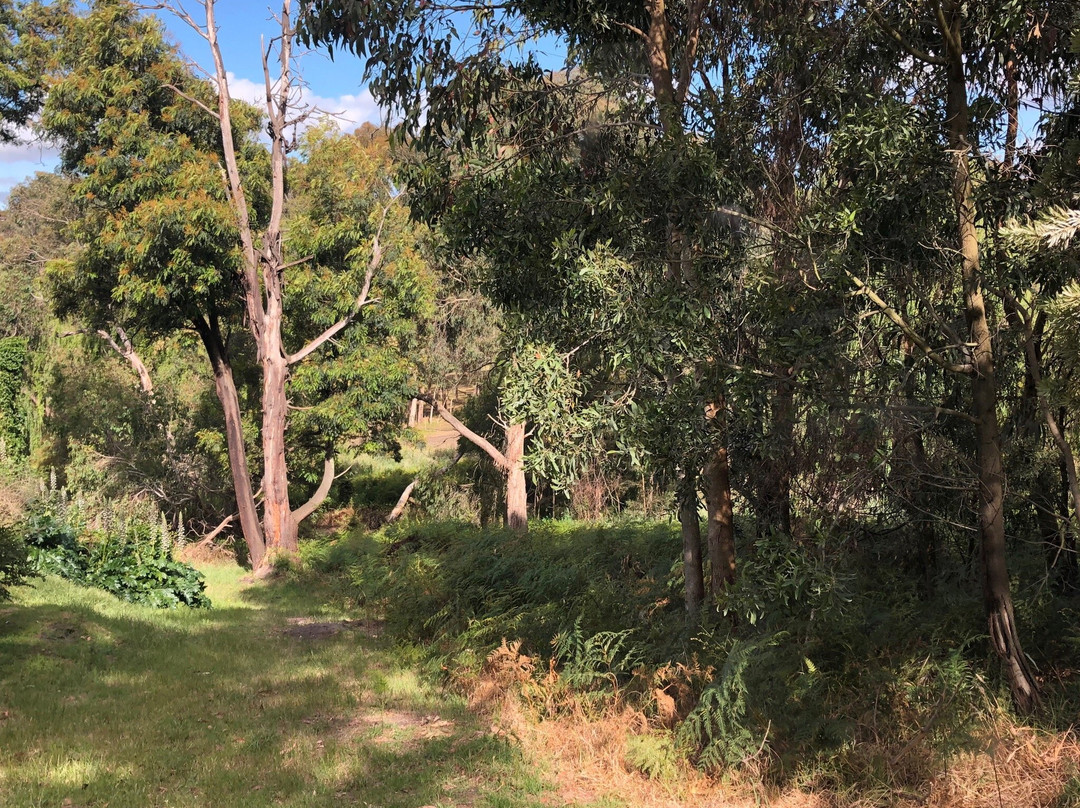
(333, 86)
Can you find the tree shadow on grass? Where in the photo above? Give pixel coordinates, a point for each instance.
(106, 704)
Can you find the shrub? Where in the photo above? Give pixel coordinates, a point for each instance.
(14, 564)
(129, 557)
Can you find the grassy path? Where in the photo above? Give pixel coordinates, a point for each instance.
(268, 699)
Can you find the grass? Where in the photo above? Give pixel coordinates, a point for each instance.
(266, 699)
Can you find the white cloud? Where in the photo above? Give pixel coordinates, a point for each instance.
(29, 150)
(348, 110)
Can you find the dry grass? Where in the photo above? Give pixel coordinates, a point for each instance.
(587, 757)
(15, 493)
(1018, 766)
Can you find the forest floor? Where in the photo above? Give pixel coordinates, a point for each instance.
(273, 697)
(286, 694)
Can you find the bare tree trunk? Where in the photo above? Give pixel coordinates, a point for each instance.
(720, 534)
(127, 350)
(278, 522)
(997, 596)
(517, 505)
(225, 387)
(510, 461)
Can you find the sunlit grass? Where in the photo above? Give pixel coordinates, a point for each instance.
(107, 703)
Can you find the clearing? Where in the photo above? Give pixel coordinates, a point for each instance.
(272, 697)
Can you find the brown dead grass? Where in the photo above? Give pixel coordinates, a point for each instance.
(14, 494)
(586, 754)
(205, 552)
(1018, 766)
(403, 726)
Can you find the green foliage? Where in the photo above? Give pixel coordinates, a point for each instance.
(15, 566)
(13, 356)
(597, 661)
(128, 556)
(459, 585)
(653, 755)
(720, 728)
(21, 87)
(343, 203)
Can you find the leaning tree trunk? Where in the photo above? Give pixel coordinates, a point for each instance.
(997, 596)
(720, 534)
(225, 387)
(510, 461)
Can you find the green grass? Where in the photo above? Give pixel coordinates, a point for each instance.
(104, 703)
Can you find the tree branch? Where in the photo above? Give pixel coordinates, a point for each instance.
(477, 440)
(898, 37)
(361, 299)
(403, 500)
(899, 321)
(317, 499)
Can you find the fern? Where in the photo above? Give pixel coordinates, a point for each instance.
(602, 658)
(720, 726)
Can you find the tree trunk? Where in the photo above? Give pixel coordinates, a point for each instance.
(693, 573)
(517, 506)
(997, 596)
(279, 526)
(225, 388)
(721, 527)
(774, 491)
(321, 492)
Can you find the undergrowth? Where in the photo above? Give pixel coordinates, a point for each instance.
(820, 668)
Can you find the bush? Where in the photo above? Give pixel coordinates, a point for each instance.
(129, 557)
(15, 566)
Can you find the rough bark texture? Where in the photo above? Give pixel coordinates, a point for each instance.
(997, 596)
(720, 534)
(225, 387)
(517, 505)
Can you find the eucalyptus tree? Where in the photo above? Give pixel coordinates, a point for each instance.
(944, 56)
(564, 147)
(184, 225)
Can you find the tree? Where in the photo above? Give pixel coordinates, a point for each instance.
(21, 89)
(184, 221)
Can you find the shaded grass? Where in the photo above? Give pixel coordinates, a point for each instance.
(106, 703)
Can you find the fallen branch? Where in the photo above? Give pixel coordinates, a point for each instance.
(403, 500)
